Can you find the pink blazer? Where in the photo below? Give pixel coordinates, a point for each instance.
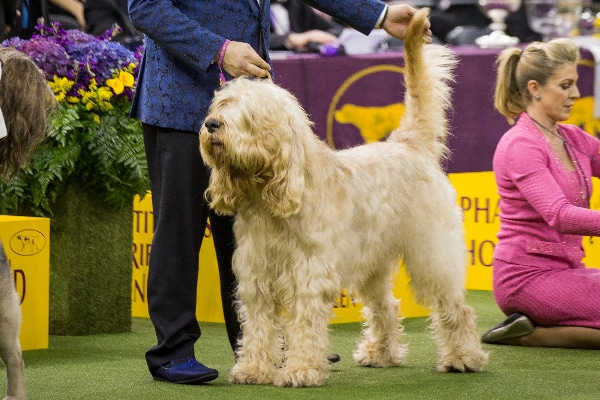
(544, 206)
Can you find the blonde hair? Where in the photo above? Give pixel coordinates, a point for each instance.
(538, 62)
(26, 101)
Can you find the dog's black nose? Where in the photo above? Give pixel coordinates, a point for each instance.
(212, 125)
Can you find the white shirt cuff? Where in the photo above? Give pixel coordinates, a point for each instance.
(381, 19)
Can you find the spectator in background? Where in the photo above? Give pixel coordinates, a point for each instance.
(460, 22)
(298, 27)
(19, 18)
(101, 15)
(69, 13)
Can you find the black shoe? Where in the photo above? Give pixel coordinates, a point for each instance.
(185, 371)
(515, 325)
(333, 358)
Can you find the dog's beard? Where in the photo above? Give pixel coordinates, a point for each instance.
(217, 153)
(212, 149)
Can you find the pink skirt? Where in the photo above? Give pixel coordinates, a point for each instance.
(569, 296)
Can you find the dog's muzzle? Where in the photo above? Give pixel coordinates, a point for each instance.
(212, 125)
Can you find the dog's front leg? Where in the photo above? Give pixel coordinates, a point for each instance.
(260, 350)
(307, 335)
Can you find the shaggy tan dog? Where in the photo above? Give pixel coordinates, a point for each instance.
(26, 101)
(311, 221)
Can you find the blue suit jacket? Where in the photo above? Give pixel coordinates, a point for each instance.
(177, 78)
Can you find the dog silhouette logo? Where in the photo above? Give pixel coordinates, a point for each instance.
(358, 113)
(27, 242)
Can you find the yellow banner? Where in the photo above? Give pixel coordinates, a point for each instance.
(26, 242)
(478, 197)
(208, 302)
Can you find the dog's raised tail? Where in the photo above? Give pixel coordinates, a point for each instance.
(428, 75)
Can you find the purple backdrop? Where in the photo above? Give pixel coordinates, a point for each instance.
(325, 84)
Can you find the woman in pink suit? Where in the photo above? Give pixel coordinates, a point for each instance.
(543, 170)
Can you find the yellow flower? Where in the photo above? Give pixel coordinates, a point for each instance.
(122, 80)
(61, 84)
(127, 79)
(60, 87)
(116, 85)
(104, 93)
(103, 97)
(96, 98)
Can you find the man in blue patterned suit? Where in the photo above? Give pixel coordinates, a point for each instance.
(190, 45)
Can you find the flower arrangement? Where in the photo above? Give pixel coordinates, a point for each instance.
(90, 135)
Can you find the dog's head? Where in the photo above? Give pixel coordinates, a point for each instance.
(252, 139)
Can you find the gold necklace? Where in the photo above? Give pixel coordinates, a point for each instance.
(585, 192)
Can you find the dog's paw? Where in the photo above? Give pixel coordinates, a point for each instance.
(468, 363)
(251, 375)
(306, 377)
(368, 354)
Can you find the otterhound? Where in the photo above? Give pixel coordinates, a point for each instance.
(311, 221)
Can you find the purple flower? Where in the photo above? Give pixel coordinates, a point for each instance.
(49, 56)
(76, 55)
(12, 42)
(76, 35)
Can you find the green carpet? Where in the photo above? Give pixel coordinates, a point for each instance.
(112, 366)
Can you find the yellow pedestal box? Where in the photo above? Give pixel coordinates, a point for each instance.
(26, 242)
(592, 244)
(209, 307)
(478, 197)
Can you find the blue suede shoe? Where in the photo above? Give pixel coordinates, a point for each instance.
(185, 371)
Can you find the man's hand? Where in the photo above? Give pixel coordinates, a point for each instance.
(397, 20)
(241, 59)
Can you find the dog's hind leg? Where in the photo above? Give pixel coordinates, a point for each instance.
(457, 337)
(10, 348)
(437, 274)
(380, 346)
(10, 322)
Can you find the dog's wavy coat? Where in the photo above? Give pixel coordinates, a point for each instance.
(311, 221)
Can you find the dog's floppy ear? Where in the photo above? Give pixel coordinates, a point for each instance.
(223, 193)
(283, 193)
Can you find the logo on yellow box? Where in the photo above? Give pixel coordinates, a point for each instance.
(27, 242)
